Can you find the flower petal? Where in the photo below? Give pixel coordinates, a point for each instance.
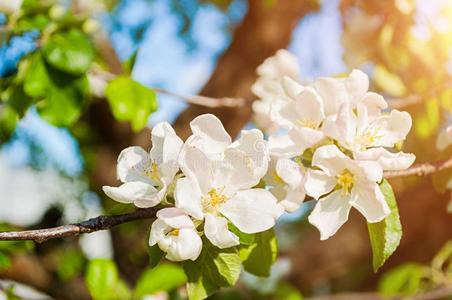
(293, 199)
(195, 164)
(330, 159)
(211, 132)
(187, 245)
(252, 211)
(158, 231)
(133, 162)
(318, 183)
(389, 161)
(357, 84)
(392, 128)
(175, 218)
(283, 146)
(290, 172)
(216, 230)
(130, 192)
(370, 202)
(188, 197)
(291, 87)
(330, 213)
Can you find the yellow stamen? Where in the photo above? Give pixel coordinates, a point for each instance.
(213, 199)
(174, 232)
(307, 123)
(153, 172)
(345, 181)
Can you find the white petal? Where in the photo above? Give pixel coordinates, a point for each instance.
(330, 213)
(283, 63)
(293, 200)
(175, 218)
(188, 197)
(291, 87)
(393, 128)
(216, 230)
(306, 137)
(290, 172)
(310, 106)
(374, 102)
(152, 198)
(283, 146)
(368, 170)
(389, 161)
(166, 145)
(252, 211)
(187, 245)
(211, 130)
(333, 93)
(318, 183)
(195, 164)
(132, 191)
(444, 139)
(330, 159)
(132, 165)
(357, 84)
(370, 202)
(158, 231)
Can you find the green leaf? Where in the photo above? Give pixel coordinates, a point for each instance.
(215, 268)
(164, 277)
(36, 80)
(131, 101)
(385, 235)
(101, 278)
(155, 255)
(64, 99)
(70, 51)
(5, 262)
(259, 255)
(19, 101)
(286, 291)
(8, 121)
(404, 280)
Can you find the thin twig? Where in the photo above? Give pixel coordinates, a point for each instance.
(88, 226)
(421, 169)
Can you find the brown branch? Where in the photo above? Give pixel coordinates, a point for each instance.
(88, 226)
(421, 169)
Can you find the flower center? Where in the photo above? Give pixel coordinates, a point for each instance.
(345, 181)
(153, 172)
(213, 199)
(307, 123)
(174, 232)
(277, 178)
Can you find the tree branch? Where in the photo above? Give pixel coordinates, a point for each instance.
(421, 169)
(88, 226)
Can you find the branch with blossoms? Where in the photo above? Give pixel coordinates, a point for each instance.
(215, 199)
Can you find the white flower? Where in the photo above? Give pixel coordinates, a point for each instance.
(10, 6)
(444, 139)
(146, 177)
(222, 190)
(367, 133)
(286, 180)
(303, 117)
(211, 138)
(175, 234)
(270, 88)
(343, 183)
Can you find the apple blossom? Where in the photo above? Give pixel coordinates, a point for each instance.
(286, 180)
(146, 176)
(218, 190)
(175, 233)
(341, 183)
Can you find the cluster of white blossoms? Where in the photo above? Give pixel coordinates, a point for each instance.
(330, 141)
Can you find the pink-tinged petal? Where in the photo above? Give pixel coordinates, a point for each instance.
(216, 230)
(330, 213)
(130, 192)
(389, 161)
(318, 183)
(175, 218)
(187, 197)
(252, 211)
(133, 162)
(210, 129)
(330, 159)
(370, 202)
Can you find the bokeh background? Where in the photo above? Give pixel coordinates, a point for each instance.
(51, 175)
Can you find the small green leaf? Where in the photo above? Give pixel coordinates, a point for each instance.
(5, 262)
(36, 80)
(164, 277)
(385, 235)
(19, 101)
(70, 51)
(404, 280)
(215, 268)
(259, 256)
(155, 255)
(131, 101)
(101, 278)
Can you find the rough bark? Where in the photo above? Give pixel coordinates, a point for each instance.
(264, 30)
